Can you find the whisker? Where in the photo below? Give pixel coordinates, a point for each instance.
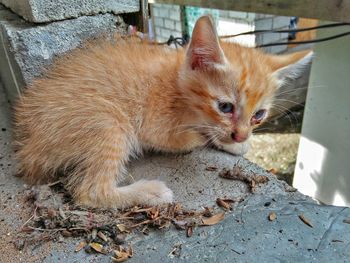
(284, 110)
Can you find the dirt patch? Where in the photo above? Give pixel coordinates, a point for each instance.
(275, 151)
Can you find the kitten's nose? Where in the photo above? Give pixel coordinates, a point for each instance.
(237, 138)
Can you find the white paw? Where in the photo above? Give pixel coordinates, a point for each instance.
(236, 148)
(151, 193)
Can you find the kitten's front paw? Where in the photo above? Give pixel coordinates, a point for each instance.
(235, 148)
(152, 192)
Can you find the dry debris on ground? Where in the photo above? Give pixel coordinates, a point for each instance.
(236, 173)
(55, 217)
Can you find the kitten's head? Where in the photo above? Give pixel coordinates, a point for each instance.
(230, 88)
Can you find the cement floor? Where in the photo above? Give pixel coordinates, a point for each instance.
(245, 235)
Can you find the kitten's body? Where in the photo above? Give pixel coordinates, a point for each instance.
(106, 102)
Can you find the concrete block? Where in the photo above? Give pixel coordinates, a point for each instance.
(158, 22)
(155, 11)
(164, 12)
(178, 26)
(239, 15)
(175, 15)
(268, 38)
(175, 8)
(223, 14)
(28, 48)
(264, 24)
(251, 16)
(40, 11)
(157, 31)
(263, 16)
(165, 33)
(275, 49)
(169, 24)
(281, 22)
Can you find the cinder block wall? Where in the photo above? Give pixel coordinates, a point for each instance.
(29, 46)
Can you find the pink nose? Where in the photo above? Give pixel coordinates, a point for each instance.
(238, 138)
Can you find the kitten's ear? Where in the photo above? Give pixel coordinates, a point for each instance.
(291, 65)
(204, 50)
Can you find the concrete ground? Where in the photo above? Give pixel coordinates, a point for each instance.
(245, 235)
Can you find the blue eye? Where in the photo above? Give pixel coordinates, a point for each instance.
(259, 115)
(226, 107)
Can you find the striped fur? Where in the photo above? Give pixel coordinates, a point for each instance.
(101, 104)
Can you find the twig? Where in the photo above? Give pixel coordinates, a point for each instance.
(30, 218)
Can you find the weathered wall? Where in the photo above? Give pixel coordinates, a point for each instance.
(40, 11)
(27, 49)
(167, 21)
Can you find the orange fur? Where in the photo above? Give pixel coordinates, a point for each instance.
(103, 103)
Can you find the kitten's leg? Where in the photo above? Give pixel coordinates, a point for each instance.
(235, 148)
(95, 180)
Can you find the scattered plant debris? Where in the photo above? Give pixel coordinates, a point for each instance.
(80, 246)
(213, 220)
(211, 168)
(176, 251)
(236, 173)
(122, 254)
(289, 188)
(272, 216)
(346, 221)
(273, 171)
(56, 217)
(189, 231)
(224, 203)
(305, 221)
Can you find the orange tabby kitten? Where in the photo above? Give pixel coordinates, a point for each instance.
(100, 105)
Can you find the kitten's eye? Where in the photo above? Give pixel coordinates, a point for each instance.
(226, 107)
(259, 115)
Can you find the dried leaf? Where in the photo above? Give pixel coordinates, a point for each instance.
(121, 259)
(346, 221)
(94, 233)
(131, 252)
(51, 213)
(153, 213)
(102, 236)
(235, 200)
(272, 216)
(189, 231)
(66, 233)
(273, 171)
(176, 251)
(211, 168)
(61, 212)
(122, 254)
(207, 212)
(220, 202)
(180, 224)
(213, 220)
(234, 174)
(27, 229)
(97, 247)
(337, 240)
(122, 228)
(260, 179)
(80, 246)
(305, 221)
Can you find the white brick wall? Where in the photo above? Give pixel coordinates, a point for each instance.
(169, 24)
(167, 21)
